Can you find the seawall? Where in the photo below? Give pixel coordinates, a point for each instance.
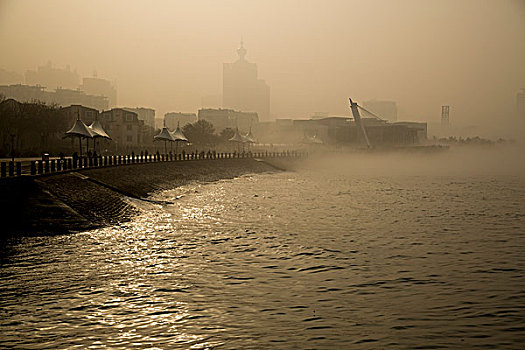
(95, 197)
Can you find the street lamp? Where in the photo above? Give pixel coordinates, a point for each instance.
(12, 147)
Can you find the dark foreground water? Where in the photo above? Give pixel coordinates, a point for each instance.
(338, 259)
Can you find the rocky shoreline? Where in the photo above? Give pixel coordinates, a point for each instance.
(86, 199)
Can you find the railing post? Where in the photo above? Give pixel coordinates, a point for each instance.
(59, 165)
(3, 171)
(33, 167)
(53, 167)
(18, 168)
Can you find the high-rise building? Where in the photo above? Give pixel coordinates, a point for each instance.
(520, 103)
(100, 87)
(445, 121)
(384, 109)
(242, 90)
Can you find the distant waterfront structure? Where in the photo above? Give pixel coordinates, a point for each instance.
(100, 87)
(384, 109)
(341, 131)
(445, 121)
(228, 118)
(53, 77)
(173, 119)
(145, 114)
(242, 89)
(61, 97)
(520, 103)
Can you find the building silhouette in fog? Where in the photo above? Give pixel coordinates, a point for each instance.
(228, 118)
(100, 87)
(242, 90)
(61, 97)
(520, 103)
(53, 77)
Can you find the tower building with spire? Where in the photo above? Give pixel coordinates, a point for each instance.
(242, 89)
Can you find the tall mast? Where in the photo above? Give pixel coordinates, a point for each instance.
(357, 118)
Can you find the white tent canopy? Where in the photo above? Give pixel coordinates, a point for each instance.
(79, 130)
(237, 137)
(178, 135)
(98, 131)
(164, 135)
(248, 138)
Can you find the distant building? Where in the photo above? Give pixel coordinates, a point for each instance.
(52, 78)
(520, 103)
(242, 90)
(25, 93)
(61, 97)
(228, 118)
(8, 78)
(65, 97)
(73, 112)
(445, 118)
(125, 129)
(100, 87)
(174, 118)
(146, 114)
(384, 109)
(421, 129)
(339, 131)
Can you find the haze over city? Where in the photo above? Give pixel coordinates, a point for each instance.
(262, 174)
(168, 55)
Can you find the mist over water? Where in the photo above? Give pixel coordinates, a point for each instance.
(458, 161)
(349, 251)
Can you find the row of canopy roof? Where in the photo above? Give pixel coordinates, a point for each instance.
(94, 130)
(178, 135)
(238, 137)
(166, 135)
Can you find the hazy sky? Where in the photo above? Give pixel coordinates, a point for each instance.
(313, 54)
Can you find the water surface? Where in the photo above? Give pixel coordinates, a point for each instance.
(296, 260)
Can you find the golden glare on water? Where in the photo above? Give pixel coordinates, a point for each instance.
(316, 258)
